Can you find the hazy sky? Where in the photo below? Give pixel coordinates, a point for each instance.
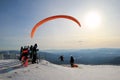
(17, 18)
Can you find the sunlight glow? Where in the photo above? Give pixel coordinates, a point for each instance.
(92, 19)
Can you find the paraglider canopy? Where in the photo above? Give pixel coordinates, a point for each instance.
(51, 18)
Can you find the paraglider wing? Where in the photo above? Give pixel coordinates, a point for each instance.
(51, 18)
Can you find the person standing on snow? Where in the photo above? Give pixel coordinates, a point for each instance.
(21, 50)
(71, 61)
(24, 58)
(31, 52)
(61, 58)
(34, 54)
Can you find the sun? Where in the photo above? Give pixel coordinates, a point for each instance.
(92, 19)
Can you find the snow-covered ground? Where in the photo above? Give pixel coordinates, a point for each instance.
(48, 71)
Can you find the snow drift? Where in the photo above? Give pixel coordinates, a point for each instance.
(48, 71)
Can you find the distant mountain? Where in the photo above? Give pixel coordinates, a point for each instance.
(115, 61)
(82, 56)
(9, 54)
(89, 56)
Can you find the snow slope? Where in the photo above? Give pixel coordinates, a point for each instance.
(48, 71)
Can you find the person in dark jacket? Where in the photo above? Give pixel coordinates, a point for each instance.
(71, 61)
(61, 58)
(21, 50)
(34, 54)
(31, 52)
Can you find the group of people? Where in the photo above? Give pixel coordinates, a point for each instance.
(28, 53)
(71, 60)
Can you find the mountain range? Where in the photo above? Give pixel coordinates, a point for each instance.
(100, 56)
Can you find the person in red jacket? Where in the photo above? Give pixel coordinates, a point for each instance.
(24, 59)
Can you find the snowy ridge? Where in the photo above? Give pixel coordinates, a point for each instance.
(8, 63)
(48, 71)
